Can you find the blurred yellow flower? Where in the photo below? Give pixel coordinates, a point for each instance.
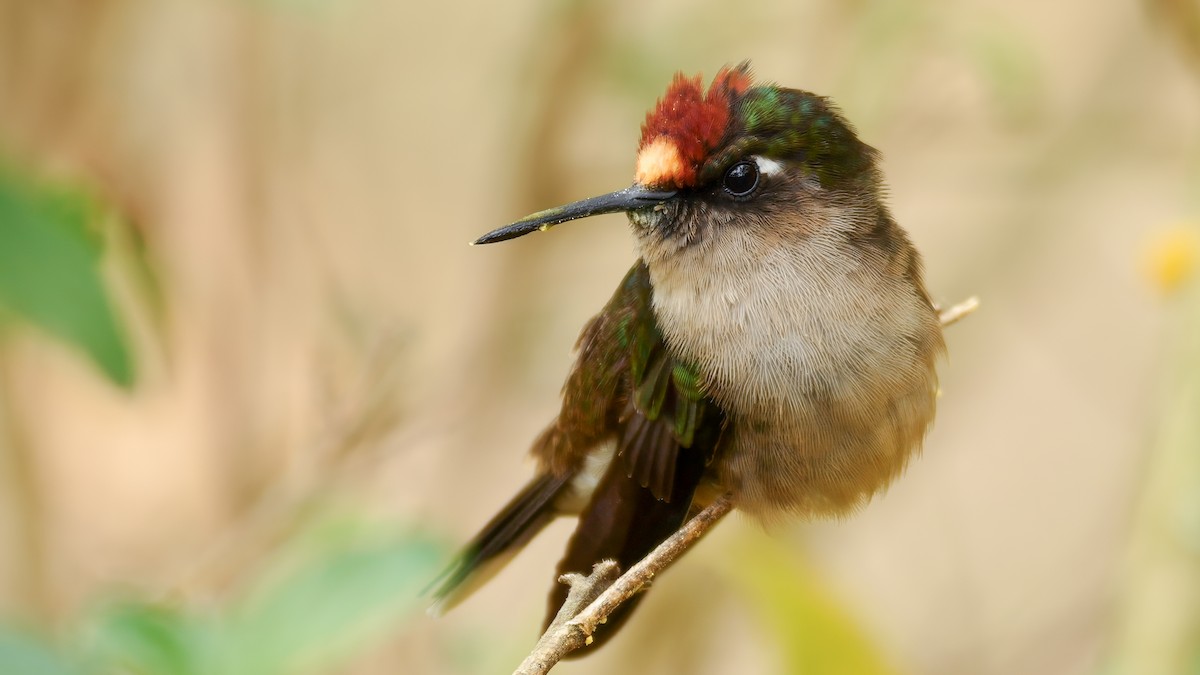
(1170, 258)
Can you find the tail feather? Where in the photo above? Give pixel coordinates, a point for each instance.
(505, 534)
(623, 522)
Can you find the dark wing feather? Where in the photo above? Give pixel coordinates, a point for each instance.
(661, 418)
(626, 388)
(666, 430)
(519, 521)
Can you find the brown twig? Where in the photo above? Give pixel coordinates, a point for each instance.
(951, 315)
(551, 648)
(593, 598)
(566, 634)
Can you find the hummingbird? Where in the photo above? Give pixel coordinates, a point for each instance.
(773, 341)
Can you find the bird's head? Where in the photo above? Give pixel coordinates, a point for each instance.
(738, 154)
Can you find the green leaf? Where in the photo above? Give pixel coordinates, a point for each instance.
(333, 588)
(20, 653)
(148, 640)
(49, 271)
(816, 634)
(324, 607)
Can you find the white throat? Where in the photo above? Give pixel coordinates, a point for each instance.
(773, 322)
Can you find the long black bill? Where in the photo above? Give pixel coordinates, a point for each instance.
(630, 199)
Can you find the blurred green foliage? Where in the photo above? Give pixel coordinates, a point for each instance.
(1158, 625)
(22, 653)
(340, 584)
(49, 276)
(808, 622)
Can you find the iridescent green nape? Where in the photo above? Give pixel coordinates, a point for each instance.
(797, 126)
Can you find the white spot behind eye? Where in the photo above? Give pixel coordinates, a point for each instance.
(768, 167)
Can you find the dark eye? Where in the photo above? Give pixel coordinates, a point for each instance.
(741, 179)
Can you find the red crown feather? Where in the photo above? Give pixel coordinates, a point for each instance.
(686, 126)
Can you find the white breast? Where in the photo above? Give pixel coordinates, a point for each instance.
(773, 325)
(825, 366)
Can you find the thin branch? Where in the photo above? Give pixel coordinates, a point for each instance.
(551, 648)
(952, 315)
(599, 595)
(566, 636)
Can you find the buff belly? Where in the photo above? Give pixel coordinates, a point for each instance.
(828, 378)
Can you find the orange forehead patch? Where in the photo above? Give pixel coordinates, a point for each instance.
(660, 164)
(686, 126)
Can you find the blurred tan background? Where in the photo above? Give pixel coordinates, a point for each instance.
(289, 186)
